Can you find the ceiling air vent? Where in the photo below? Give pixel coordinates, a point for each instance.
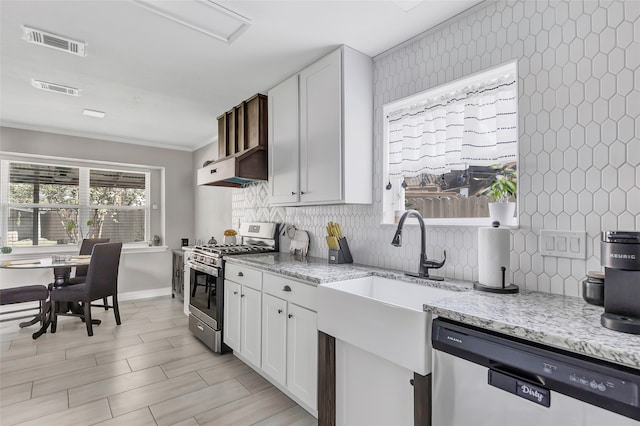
(54, 87)
(54, 41)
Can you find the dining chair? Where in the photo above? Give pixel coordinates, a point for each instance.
(101, 282)
(81, 271)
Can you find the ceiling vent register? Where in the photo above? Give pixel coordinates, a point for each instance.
(54, 41)
(54, 87)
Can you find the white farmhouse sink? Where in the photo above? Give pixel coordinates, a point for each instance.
(382, 316)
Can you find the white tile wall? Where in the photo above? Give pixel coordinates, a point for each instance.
(579, 82)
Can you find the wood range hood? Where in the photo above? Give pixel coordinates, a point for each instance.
(242, 146)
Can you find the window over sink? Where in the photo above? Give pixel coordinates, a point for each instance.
(444, 147)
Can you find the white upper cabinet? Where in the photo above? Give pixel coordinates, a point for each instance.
(284, 160)
(321, 133)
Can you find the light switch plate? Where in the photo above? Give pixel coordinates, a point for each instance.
(571, 244)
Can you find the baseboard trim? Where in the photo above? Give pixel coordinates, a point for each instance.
(144, 294)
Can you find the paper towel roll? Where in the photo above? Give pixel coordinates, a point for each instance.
(493, 253)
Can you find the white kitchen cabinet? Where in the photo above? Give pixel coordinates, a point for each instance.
(250, 325)
(274, 331)
(320, 131)
(242, 329)
(232, 318)
(290, 336)
(302, 353)
(327, 109)
(284, 142)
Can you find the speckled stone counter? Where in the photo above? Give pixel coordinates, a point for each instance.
(312, 269)
(564, 322)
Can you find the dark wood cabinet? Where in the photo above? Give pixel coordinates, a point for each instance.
(177, 281)
(256, 119)
(232, 141)
(243, 127)
(222, 136)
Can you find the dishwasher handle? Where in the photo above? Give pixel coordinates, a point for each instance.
(519, 386)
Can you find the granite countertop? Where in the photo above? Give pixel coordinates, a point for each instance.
(563, 322)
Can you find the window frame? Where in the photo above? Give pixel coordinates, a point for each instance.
(387, 208)
(83, 206)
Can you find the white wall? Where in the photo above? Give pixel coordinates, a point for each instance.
(138, 271)
(212, 207)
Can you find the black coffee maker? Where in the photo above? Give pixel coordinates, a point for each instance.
(620, 255)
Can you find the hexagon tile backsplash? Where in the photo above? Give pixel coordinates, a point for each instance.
(579, 89)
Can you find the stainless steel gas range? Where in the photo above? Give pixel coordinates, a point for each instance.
(206, 278)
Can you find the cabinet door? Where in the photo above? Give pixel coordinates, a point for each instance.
(250, 330)
(231, 324)
(283, 142)
(274, 337)
(302, 354)
(321, 130)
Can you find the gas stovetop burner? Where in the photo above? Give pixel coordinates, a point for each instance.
(228, 249)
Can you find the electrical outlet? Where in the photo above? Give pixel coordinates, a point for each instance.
(572, 244)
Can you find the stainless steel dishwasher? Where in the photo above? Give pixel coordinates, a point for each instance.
(484, 378)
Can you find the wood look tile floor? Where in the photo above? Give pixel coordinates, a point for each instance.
(150, 370)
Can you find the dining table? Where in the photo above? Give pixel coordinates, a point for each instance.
(61, 266)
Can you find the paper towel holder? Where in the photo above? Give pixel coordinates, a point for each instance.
(505, 289)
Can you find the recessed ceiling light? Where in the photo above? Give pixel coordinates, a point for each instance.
(203, 16)
(54, 41)
(55, 87)
(93, 113)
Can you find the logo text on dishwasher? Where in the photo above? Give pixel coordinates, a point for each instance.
(533, 392)
(454, 339)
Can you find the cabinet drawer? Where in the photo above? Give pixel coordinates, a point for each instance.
(243, 275)
(293, 291)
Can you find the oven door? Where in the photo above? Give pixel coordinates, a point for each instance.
(206, 294)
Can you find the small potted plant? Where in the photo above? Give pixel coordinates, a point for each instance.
(5, 249)
(503, 188)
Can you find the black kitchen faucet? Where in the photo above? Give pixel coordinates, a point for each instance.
(425, 264)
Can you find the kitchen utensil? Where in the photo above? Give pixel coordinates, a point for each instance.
(332, 242)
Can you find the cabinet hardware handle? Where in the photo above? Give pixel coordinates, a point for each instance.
(293, 193)
(213, 171)
(235, 292)
(286, 288)
(279, 311)
(240, 274)
(301, 192)
(411, 382)
(290, 315)
(200, 327)
(242, 295)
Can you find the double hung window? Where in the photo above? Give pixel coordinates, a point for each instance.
(52, 205)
